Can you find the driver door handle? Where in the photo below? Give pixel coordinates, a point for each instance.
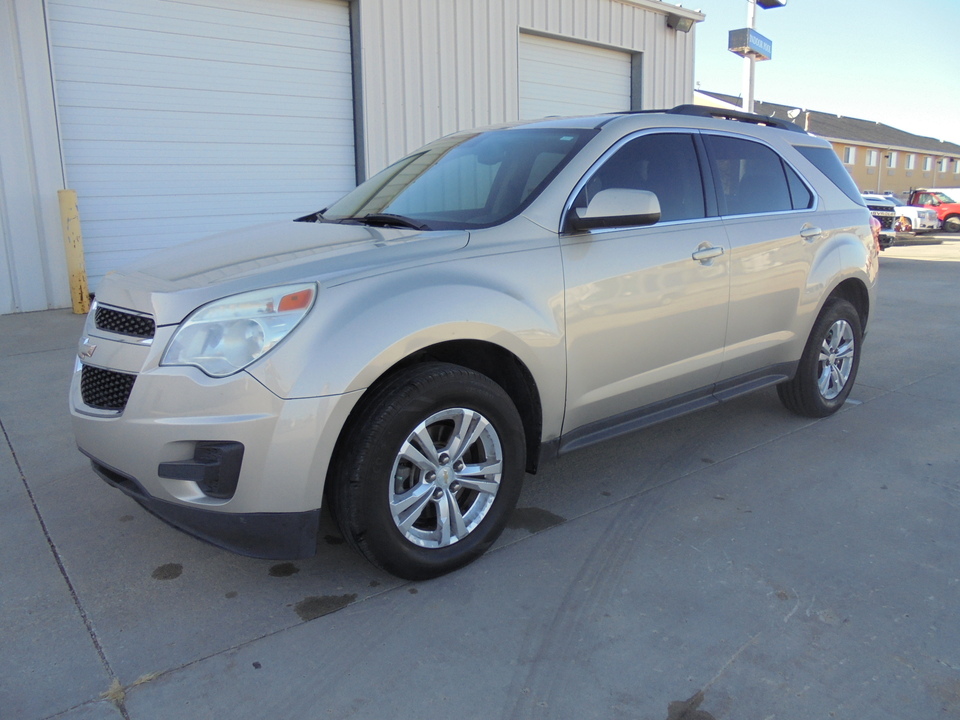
(705, 253)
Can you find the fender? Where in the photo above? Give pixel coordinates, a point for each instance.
(489, 298)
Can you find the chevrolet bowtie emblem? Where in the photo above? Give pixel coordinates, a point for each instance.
(87, 349)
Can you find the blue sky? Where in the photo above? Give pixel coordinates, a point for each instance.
(893, 61)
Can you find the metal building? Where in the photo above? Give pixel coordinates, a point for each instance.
(174, 119)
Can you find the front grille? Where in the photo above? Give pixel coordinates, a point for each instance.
(124, 323)
(884, 214)
(105, 389)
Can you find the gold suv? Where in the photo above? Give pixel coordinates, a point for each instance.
(496, 298)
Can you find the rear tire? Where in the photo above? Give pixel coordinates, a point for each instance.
(430, 470)
(828, 366)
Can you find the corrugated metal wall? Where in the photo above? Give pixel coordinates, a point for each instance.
(33, 274)
(459, 61)
(426, 68)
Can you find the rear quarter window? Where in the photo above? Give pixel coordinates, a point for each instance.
(827, 162)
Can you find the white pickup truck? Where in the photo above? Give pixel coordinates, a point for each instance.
(908, 218)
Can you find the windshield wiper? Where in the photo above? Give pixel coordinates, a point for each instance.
(312, 217)
(391, 220)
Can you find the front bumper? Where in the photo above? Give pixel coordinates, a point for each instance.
(156, 449)
(273, 536)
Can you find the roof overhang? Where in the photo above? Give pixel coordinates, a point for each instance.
(665, 8)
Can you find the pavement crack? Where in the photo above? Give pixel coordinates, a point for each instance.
(58, 559)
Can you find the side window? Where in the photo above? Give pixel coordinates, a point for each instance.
(799, 193)
(750, 177)
(665, 164)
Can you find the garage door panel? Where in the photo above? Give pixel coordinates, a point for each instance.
(564, 54)
(214, 129)
(188, 155)
(208, 19)
(198, 101)
(103, 181)
(78, 65)
(143, 45)
(183, 118)
(97, 209)
(561, 77)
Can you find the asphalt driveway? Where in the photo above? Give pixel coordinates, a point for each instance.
(739, 563)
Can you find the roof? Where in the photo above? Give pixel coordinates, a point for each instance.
(841, 128)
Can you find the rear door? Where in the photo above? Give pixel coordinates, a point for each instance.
(774, 234)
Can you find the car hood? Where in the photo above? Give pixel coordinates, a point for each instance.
(171, 283)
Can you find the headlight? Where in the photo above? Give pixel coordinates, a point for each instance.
(227, 335)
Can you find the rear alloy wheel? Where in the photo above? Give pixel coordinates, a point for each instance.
(436, 465)
(828, 366)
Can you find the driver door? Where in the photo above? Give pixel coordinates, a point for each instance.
(646, 307)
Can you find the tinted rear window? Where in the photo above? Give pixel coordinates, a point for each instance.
(827, 162)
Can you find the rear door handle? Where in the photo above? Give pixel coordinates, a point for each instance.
(705, 253)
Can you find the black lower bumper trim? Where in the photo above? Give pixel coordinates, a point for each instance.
(271, 536)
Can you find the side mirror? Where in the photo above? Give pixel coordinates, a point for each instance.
(616, 207)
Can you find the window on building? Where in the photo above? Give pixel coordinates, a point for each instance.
(850, 156)
(872, 158)
(911, 161)
(944, 164)
(956, 167)
(927, 164)
(892, 159)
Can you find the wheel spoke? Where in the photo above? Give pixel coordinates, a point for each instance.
(425, 442)
(470, 426)
(412, 453)
(450, 522)
(845, 351)
(408, 507)
(836, 378)
(477, 477)
(824, 382)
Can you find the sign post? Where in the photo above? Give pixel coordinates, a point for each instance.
(752, 46)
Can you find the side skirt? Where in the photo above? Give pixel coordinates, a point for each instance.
(674, 407)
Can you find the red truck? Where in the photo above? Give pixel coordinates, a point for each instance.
(948, 209)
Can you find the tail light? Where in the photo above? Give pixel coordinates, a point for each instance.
(875, 229)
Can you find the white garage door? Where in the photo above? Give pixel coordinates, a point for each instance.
(182, 118)
(558, 77)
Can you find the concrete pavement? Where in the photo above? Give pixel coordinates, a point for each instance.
(737, 563)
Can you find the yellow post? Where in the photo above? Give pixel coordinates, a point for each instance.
(73, 244)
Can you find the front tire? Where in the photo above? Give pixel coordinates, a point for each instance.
(828, 366)
(952, 223)
(429, 471)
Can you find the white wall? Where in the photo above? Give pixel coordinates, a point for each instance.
(426, 69)
(459, 64)
(33, 273)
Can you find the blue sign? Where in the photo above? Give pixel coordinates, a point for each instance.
(747, 42)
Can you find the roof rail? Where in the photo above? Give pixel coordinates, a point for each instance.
(724, 114)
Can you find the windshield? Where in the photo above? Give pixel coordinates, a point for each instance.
(943, 197)
(463, 181)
